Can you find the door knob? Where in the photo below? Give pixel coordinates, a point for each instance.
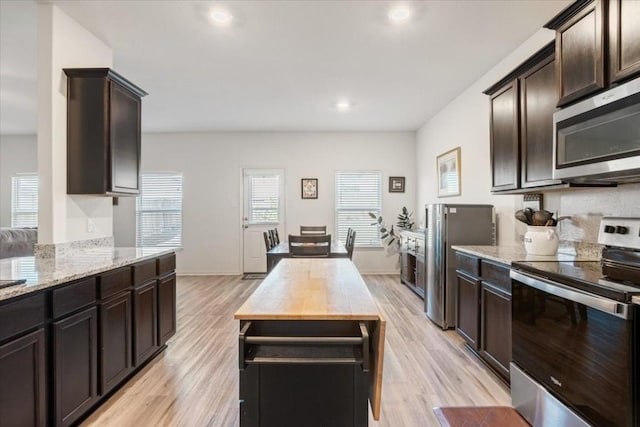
(245, 226)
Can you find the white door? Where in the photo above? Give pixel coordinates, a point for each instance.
(263, 194)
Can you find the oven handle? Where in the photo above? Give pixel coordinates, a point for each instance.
(594, 301)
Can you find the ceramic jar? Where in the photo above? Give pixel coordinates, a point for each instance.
(540, 240)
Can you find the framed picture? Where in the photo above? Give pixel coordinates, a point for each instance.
(309, 188)
(396, 184)
(448, 167)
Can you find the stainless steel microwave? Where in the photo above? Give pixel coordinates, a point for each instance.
(598, 140)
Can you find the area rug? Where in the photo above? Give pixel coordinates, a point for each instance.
(254, 276)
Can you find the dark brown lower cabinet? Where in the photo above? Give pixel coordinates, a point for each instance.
(145, 321)
(75, 365)
(22, 381)
(495, 345)
(483, 310)
(166, 308)
(468, 310)
(115, 341)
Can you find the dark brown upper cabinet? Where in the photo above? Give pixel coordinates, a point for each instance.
(538, 98)
(103, 133)
(505, 164)
(597, 45)
(624, 39)
(580, 53)
(521, 125)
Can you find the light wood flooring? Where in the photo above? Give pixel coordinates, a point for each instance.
(194, 382)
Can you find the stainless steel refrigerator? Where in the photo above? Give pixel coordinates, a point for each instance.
(447, 225)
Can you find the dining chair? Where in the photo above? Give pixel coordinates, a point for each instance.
(313, 230)
(267, 240)
(309, 246)
(272, 236)
(275, 234)
(351, 241)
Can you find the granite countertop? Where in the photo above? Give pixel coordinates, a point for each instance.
(41, 273)
(509, 254)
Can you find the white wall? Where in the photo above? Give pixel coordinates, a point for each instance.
(63, 43)
(18, 154)
(465, 123)
(212, 166)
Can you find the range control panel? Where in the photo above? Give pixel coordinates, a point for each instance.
(620, 232)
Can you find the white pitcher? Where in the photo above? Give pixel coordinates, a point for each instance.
(540, 240)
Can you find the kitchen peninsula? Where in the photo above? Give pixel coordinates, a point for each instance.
(311, 345)
(79, 327)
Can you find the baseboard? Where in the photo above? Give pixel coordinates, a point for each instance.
(206, 273)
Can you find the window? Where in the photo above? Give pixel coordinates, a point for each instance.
(357, 194)
(264, 198)
(24, 200)
(159, 210)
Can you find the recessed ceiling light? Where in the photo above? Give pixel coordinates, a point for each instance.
(220, 16)
(343, 105)
(399, 14)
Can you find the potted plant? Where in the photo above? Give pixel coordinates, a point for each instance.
(388, 234)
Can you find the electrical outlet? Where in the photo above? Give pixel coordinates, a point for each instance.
(91, 226)
(533, 201)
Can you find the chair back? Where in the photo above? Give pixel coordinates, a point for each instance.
(275, 236)
(267, 240)
(309, 246)
(313, 230)
(351, 240)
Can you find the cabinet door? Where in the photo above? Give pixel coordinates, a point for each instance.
(75, 365)
(124, 139)
(22, 388)
(421, 277)
(505, 165)
(166, 308)
(538, 99)
(404, 259)
(468, 310)
(580, 54)
(495, 345)
(145, 321)
(624, 39)
(115, 341)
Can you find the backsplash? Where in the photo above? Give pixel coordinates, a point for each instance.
(585, 208)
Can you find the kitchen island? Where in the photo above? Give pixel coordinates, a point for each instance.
(80, 327)
(311, 347)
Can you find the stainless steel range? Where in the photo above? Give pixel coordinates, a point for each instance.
(576, 335)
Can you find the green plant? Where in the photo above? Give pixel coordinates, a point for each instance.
(388, 234)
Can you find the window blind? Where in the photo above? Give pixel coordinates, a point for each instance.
(357, 194)
(24, 201)
(159, 210)
(264, 199)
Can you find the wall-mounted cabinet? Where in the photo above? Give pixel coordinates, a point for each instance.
(521, 125)
(103, 132)
(597, 45)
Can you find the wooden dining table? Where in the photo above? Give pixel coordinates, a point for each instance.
(281, 251)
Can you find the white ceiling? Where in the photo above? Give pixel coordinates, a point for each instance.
(280, 65)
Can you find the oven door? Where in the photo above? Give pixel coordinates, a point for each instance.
(577, 345)
(599, 139)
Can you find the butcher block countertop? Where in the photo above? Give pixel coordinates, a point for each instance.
(311, 289)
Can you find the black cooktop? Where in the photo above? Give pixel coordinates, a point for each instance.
(584, 275)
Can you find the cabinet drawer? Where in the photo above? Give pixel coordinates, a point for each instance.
(497, 275)
(115, 281)
(22, 315)
(73, 297)
(468, 263)
(144, 271)
(166, 264)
